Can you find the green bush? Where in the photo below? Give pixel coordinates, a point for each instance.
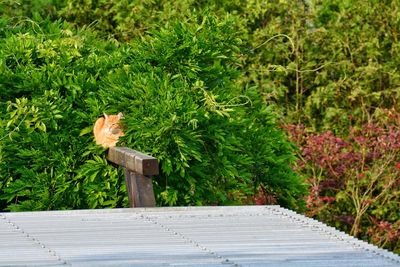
(47, 73)
(216, 141)
(328, 64)
(25, 9)
(128, 19)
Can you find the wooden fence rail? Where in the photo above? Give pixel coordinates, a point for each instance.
(139, 169)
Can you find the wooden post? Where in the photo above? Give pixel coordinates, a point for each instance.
(139, 168)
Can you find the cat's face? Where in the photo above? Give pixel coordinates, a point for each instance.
(111, 123)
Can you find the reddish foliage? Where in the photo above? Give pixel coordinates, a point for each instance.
(336, 156)
(331, 162)
(383, 231)
(263, 198)
(397, 166)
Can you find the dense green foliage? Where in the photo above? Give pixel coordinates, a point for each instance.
(47, 74)
(202, 95)
(329, 65)
(216, 142)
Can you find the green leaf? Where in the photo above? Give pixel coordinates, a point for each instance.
(86, 130)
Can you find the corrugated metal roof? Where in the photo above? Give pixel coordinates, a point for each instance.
(194, 236)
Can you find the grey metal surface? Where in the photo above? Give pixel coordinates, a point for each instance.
(195, 236)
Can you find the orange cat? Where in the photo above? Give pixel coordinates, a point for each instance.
(107, 130)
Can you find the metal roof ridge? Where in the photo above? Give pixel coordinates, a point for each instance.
(34, 240)
(337, 234)
(135, 210)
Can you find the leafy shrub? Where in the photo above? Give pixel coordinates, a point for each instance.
(25, 9)
(355, 179)
(48, 71)
(327, 64)
(127, 19)
(216, 141)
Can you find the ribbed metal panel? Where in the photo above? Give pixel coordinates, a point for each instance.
(195, 236)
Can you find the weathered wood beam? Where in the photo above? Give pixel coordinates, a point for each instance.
(138, 168)
(133, 160)
(140, 190)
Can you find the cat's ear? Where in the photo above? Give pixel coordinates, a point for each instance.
(120, 115)
(105, 115)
